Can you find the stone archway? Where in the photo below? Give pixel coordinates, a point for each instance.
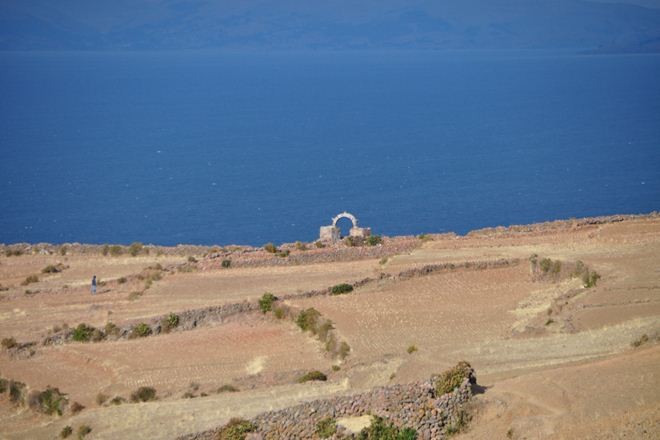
(332, 233)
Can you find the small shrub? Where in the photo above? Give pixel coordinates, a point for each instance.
(307, 319)
(326, 427)
(279, 312)
(452, 378)
(324, 330)
(53, 268)
(143, 394)
(301, 246)
(383, 261)
(8, 343)
(556, 267)
(17, 392)
(140, 331)
(106, 250)
(112, 330)
(30, 279)
(192, 259)
(640, 341)
(116, 250)
(340, 289)
(227, 389)
(82, 333)
(236, 429)
(83, 430)
(66, 432)
(319, 244)
(266, 302)
(374, 240)
(344, 349)
(101, 399)
(76, 407)
(172, 320)
(411, 349)
(51, 401)
(13, 252)
(63, 250)
(270, 247)
(549, 321)
(283, 254)
(589, 279)
(4, 385)
(135, 248)
(509, 433)
(226, 264)
(380, 430)
(546, 265)
(336, 368)
(117, 400)
(458, 423)
(424, 237)
(97, 335)
(134, 295)
(122, 280)
(312, 376)
(351, 241)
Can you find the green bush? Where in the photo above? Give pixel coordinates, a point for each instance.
(82, 333)
(319, 244)
(270, 247)
(326, 427)
(312, 376)
(307, 319)
(66, 432)
(140, 331)
(13, 252)
(411, 349)
(351, 241)
(143, 394)
(192, 259)
(344, 349)
(236, 429)
(283, 254)
(173, 320)
(301, 246)
(266, 302)
(341, 289)
(111, 329)
(116, 250)
(50, 401)
(135, 248)
(4, 385)
(380, 430)
(106, 250)
(63, 250)
(226, 263)
(374, 240)
(451, 379)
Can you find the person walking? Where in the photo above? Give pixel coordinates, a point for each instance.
(94, 285)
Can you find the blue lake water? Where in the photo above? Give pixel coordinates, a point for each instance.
(209, 148)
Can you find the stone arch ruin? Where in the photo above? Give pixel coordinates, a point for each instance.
(332, 233)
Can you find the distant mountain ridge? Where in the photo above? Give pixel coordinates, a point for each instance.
(330, 25)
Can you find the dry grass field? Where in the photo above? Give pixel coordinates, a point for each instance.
(555, 358)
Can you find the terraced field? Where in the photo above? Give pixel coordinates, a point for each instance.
(542, 343)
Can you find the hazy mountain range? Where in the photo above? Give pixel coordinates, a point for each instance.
(329, 25)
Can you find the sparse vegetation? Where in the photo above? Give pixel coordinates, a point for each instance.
(447, 381)
(116, 250)
(279, 312)
(134, 295)
(383, 261)
(549, 266)
(458, 423)
(106, 250)
(343, 350)
(144, 394)
(266, 302)
(589, 279)
(192, 259)
(312, 376)
(640, 341)
(381, 430)
(319, 244)
(236, 429)
(340, 289)
(140, 331)
(227, 388)
(122, 280)
(82, 333)
(351, 241)
(424, 237)
(17, 392)
(226, 264)
(66, 432)
(411, 349)
(549, 321)
(4, 384)
(8, 343)
(63, 250)
(326, 427)
(117, 400)
(374, 240)
(169, 322)
(301, 246)
(76, 407)
(13, 252)
(30, 279)
(509, 433)
(336, 368)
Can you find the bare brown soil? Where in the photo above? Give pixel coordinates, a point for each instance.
(555, 358)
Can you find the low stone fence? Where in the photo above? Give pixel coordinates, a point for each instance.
(413, 405)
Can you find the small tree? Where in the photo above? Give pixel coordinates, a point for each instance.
(270, 247)
(266, 302)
